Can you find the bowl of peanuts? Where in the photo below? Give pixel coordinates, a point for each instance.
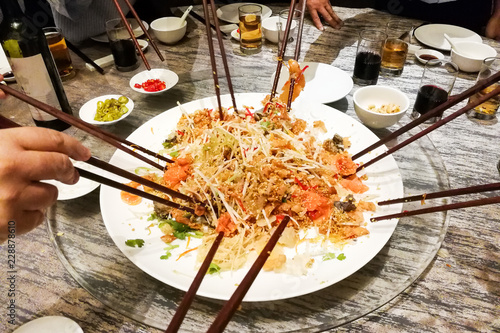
(380, 106)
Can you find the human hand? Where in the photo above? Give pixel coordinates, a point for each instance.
(28, 155)
(493, 27)
(324, 9)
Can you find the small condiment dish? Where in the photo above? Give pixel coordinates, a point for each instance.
(425, 55)
(89, 110)
(169, 30)
(270, 28)
(169, 77)
(378, 96)
(143, 44)
(473, 55)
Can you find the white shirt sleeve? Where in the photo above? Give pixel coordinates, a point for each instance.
(81, 19)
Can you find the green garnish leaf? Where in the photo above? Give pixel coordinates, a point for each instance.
(167, 144)
(134, 242)
(329, 256)
(168, 254)
(213, 269)
(174, 153)
(181, 230)
(152, 217)
(265, 124)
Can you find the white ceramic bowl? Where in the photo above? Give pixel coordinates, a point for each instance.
(169, 77)
(168, 29)
(422, 53)
(378, 96)
(270, 29)
(470, 56)
(89, 109)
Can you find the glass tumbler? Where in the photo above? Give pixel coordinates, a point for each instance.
(250, 17)
(368, 57)
(488, 110)
(395, 47)
(122, 46)
(436, 85)
(60, 52)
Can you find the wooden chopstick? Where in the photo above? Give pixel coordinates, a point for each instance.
(148, 36)
(429, 129)
(283, 48)
(231, 306)
(7, 123)
(480, 85)
(132, 35)
(126, 188)
(94, 130)
(179, 315)
(84, 57)
(442, 194)
(212, 58)
(143, 181)
(465, 204)
(223, 54)
(297, 54)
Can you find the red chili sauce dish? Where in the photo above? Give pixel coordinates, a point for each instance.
(151, 85)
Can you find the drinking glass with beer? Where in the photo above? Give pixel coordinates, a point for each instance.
(395, 47)
(60, 52)
(250, 28)
(486, 111)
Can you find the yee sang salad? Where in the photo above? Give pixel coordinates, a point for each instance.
(252, 169)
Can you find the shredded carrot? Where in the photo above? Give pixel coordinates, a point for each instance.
(188, 241)
(186, 252)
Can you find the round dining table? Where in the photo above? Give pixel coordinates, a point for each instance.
(440, 272)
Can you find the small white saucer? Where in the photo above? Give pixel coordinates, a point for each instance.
(81, 188)
(89, 109)
(420, 54)
(235, 34)
(50, 324)
(169, 77)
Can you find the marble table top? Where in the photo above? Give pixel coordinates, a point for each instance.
(457, 292)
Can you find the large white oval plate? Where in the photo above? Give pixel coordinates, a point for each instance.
(130, 222)
(433, 35)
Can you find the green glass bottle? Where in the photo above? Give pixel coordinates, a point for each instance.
(32, 64)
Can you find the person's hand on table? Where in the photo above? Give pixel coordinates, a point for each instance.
(28, 155)
(493, 27)
(322, 8)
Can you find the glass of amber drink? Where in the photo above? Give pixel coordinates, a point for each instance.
(488, 110)
(60, 52)
(250, 28)
(395, 47)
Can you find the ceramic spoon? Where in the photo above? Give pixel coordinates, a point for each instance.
(183, 18)
(457, 49)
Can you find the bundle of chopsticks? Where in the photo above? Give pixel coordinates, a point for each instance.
(231, 306)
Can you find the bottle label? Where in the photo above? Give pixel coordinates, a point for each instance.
(32, 76)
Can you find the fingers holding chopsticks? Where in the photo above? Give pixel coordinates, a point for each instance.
(27, 156)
